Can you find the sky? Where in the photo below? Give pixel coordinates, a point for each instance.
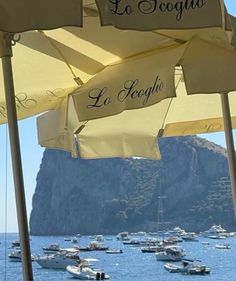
(32, 153)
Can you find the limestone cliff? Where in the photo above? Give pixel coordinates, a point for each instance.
(112, 195)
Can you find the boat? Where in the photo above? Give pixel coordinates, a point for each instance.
(215, 232)
(188, 267)
(170, 253)
(172, 268)
(59, 260)
(205, 243)
(99, 238)
(217, 237)
(123, 236)
(51, 249)
(114, 251)
(131, 242)
(15, 243)
(223, 246)
(189, 236)
(74, 240)
(86, 273)
(176, 231)
(15, 256)
(94, 246)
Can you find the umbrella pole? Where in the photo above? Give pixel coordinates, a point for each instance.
(229, 144)
(6, 54)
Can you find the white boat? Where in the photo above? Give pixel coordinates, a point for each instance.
(86, 273)
(224, 246)
(15, 256)
(215, 232)
(51, 249)
(171, 253)
(176, 231)
(114, 251)
(59, 260)
(15, 243)
(123, 236)
(189, 236)
(99, 238)
(205, 243)
(187, 267)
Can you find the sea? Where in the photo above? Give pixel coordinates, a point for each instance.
(131, 265)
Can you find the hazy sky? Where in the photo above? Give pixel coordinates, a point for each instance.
(31, 158)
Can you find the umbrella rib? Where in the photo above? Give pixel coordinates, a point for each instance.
(180, 41)
(76, 78)
(168, 108)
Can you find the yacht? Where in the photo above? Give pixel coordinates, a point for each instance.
(59, 260)
(171, 253)
(51, 249)
(15, 256)
(189, 236)
(94, 246)
(215, 232)
(123, 236)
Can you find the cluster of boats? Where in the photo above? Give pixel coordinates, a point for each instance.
(165, 250)
(68, 259)
(168, 251)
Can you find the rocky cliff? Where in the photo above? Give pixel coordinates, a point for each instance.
(112, 195)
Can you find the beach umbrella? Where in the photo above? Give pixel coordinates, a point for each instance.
(124, 108)
(52, 64)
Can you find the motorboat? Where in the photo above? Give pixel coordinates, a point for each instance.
(15, 256)
(189, 236)
(51, 249)
(205, 243)
(153, 249)
(15, 243)
(123, 236)
(94, 246)
(176, 231)
(215, 232)
(114, 251)
(218, 236)
(188, 267)
(99, 238)
(170, 253)
(131, 242)
(86, 273)
(223, 246)
(59, 260)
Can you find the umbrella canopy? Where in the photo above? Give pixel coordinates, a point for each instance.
(140, 71)
(134, 132)
(48, 65)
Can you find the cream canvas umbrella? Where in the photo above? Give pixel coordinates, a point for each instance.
(140, 81)
(49, 65)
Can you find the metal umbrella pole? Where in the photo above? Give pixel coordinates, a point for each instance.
(229, 144)
(6, 40)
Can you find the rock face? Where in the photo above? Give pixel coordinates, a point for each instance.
(112, 195)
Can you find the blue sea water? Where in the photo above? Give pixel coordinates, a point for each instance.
(132, 265)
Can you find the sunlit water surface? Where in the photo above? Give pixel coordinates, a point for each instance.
(132, 265)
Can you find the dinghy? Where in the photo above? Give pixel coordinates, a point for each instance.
(86, 273)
